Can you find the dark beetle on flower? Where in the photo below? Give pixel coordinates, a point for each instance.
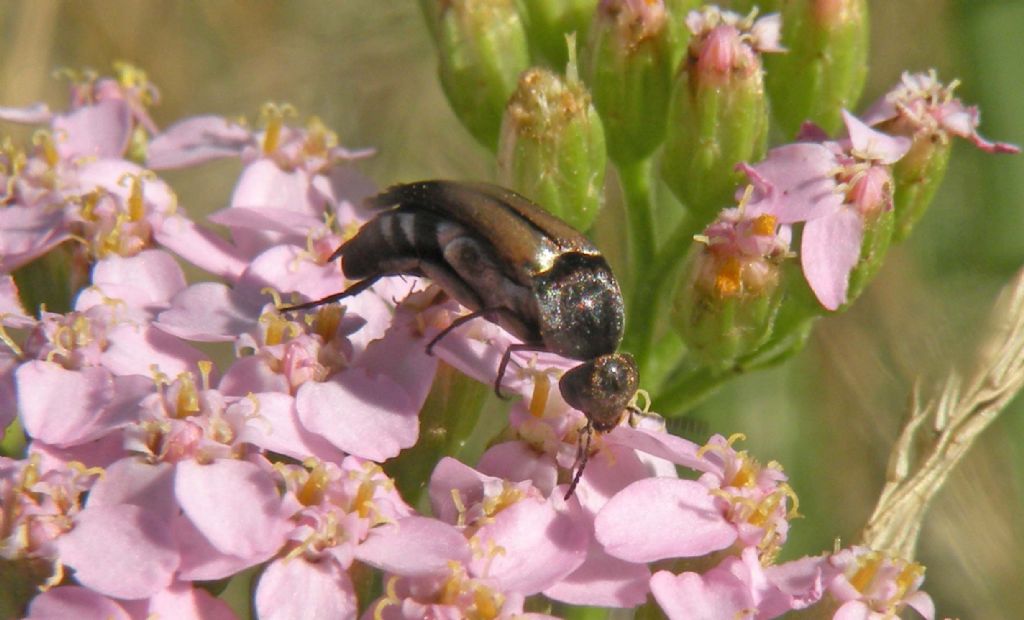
(514, 264)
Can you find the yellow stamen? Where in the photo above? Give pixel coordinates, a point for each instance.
(205, 368)
(188, 397)
(44, 141)
(727, 281)
(312, 491)
(6, 338)
(539, 398)
(327, 320)
(273, 116)
(764, 225)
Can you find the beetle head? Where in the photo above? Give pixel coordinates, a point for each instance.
(602, 388)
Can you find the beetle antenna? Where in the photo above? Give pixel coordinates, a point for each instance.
(582, 454)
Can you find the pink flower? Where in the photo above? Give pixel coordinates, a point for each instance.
(871, 584)
(348, 513)
(522, 541)
(725, 42)
(739, 587)
(835, 187)
(737, 501)
(103, 116)
(291, 177)
(454, 596)
(191, 463)
(179, 600)
(921, 106)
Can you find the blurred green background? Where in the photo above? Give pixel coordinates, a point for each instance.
(367, 68)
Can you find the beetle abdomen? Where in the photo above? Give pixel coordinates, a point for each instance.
(414, 242)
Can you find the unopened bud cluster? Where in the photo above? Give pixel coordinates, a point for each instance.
(686, 93)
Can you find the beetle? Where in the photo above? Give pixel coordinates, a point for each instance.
(511, 262)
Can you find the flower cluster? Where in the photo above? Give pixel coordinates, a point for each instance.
(162, 437)
(149, 470)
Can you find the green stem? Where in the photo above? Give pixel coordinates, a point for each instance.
(636, 188)
(447, 420)
(688, 388)
(649, 299)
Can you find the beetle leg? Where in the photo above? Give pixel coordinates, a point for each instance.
(506, 357)
(355, 289)
(582, 454)
(466, 318)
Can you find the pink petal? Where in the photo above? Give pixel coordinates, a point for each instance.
(517, 461)
(402, 356)
(28, 232)
(661, 518)
(10, 301)
(922, 604)
(875, 144)
(201, 247)
(252, 374)
(101, 452)
(200, 560)
(800, 581)
(100, 130)
(662, 445)
(829, 251)
(235, 505)
(280, 220)
(691, 597)
(110, 174)
(801, 175)
(289, 270)
(183, 602)
(603, 581)
(134, 481)
(263, 184)
(541, 546)
(414, 546)
(279, 430)
(148, 279)
(299, 589)
(122, 551)
(135, 350)
(209, 312)
(608, 472)
(67, 407)
(30, 115)
(74, 602)
(196, 140)
(371, 417)
(853, 610)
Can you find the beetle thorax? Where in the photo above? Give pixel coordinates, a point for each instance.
(580, 307)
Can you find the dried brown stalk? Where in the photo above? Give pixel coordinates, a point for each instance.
(939, 432)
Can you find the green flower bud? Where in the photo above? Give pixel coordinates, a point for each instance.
(628, 66)
(824, 70)
(729, 292)
(548, 22)
(718, 115)
(678, 33)
(870, 193)
(878, 230)
(482, 46)
(918, 175)
(552, 146)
